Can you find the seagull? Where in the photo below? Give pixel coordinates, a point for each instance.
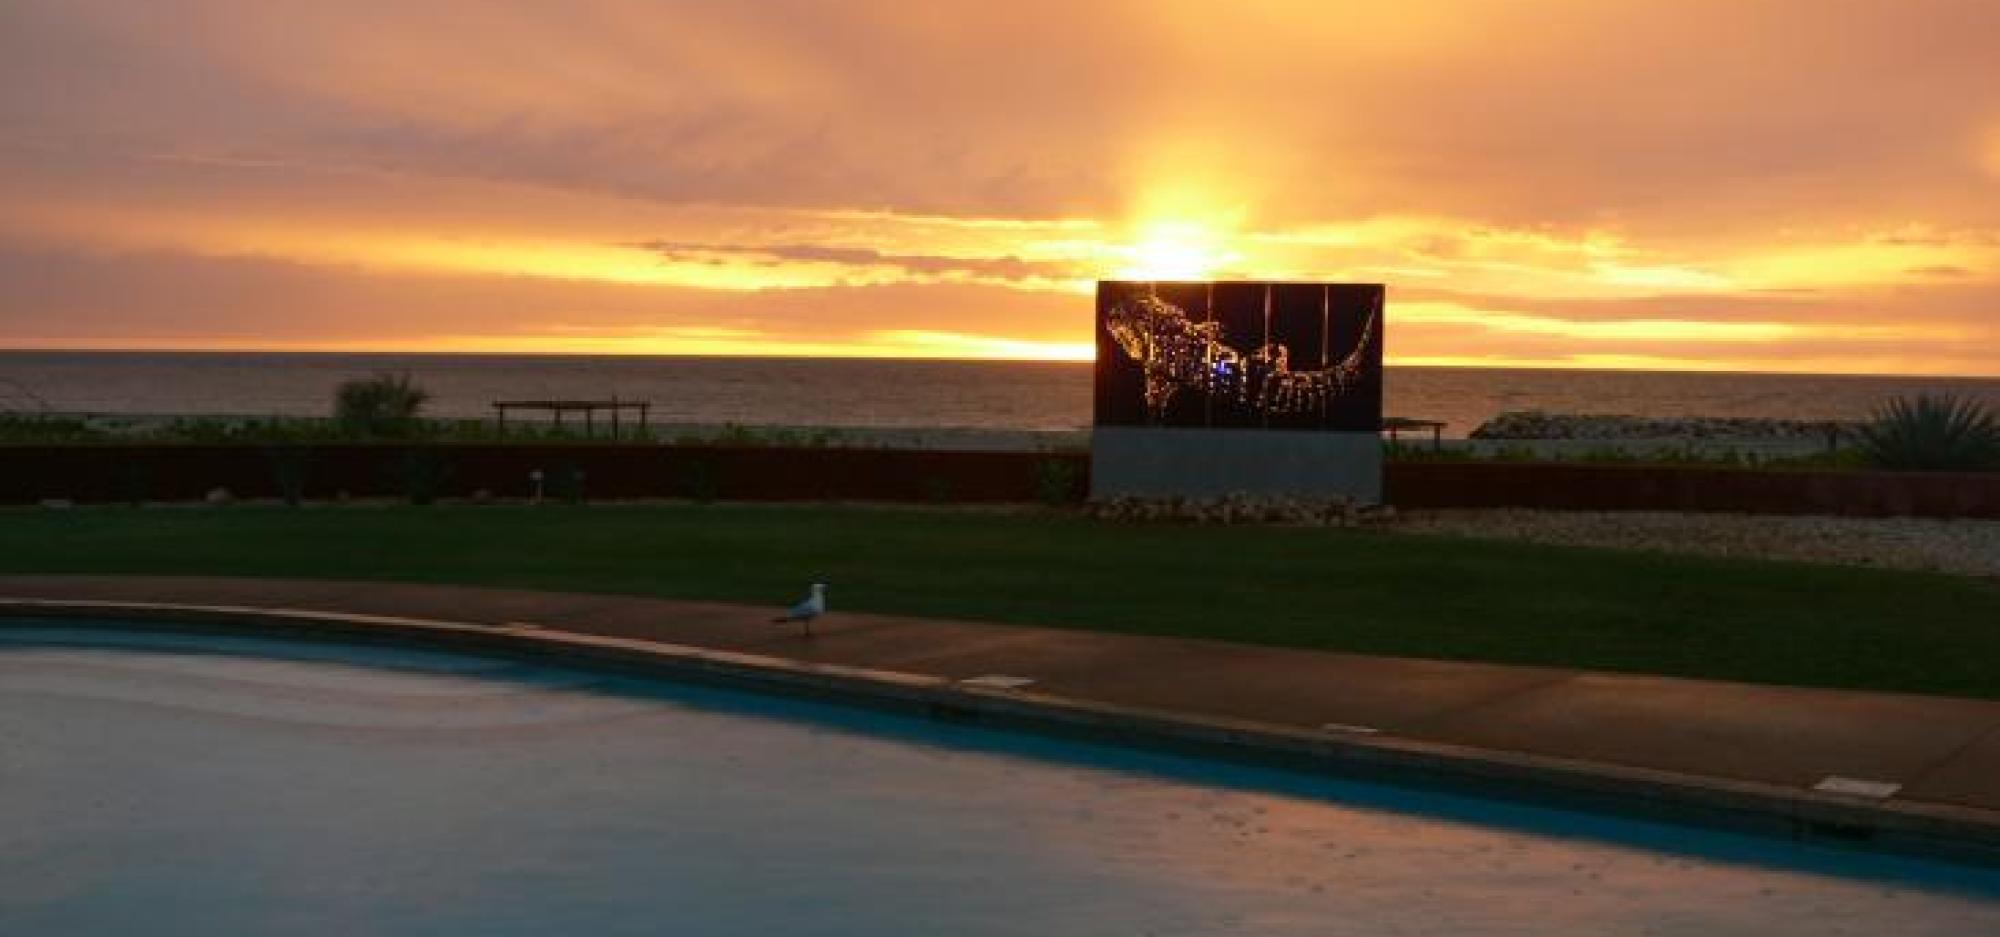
(804, 612)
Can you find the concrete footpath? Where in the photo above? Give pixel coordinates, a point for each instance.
(1938, 751)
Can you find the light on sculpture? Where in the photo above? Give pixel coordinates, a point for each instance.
(1177, 353)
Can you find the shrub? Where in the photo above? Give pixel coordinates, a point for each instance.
(383, 405)
(130, 482)
(289, 466)
(421, 473)
(1400, 451)
(700, 479)
(1941, 433)
(567, 483)
(16, 427)
(1056, 482)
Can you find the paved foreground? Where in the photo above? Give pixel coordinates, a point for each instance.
(1940, 750)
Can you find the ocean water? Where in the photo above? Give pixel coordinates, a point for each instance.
(871, 392)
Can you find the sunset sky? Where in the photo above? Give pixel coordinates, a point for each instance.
(1806, 185)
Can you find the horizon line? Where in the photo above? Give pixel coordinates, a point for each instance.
(1591, 367)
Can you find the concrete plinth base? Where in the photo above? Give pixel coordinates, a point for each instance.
(1201, 463)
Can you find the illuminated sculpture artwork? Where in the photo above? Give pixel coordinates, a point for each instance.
(1209, 389)
(1179, 354)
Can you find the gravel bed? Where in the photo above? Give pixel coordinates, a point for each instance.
(1965, 547)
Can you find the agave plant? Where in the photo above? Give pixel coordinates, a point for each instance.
(1941, 433)
(383, 405)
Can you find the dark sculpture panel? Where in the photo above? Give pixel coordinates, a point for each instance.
(1254, 355)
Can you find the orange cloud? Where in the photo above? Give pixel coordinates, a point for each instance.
(1625, 183)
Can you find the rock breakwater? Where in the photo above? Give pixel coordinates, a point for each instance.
(1538, 424)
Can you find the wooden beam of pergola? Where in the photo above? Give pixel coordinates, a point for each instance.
(589, 409)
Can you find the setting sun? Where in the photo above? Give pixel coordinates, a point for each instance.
(1175, 250)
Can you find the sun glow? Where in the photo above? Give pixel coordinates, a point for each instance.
(1174, 250)
(709, 340)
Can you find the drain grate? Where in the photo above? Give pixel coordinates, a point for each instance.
(1857, 787)
(997, 681)
(1347, 729)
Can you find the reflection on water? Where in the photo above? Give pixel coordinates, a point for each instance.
(238, 785)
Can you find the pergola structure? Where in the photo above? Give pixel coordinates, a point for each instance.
(589, 409)
(1395, 426)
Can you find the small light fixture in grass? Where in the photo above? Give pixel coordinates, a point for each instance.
(1932, 433)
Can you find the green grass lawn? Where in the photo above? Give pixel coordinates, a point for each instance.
(1347, 590)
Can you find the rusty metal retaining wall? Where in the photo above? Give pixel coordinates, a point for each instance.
(113, 473)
